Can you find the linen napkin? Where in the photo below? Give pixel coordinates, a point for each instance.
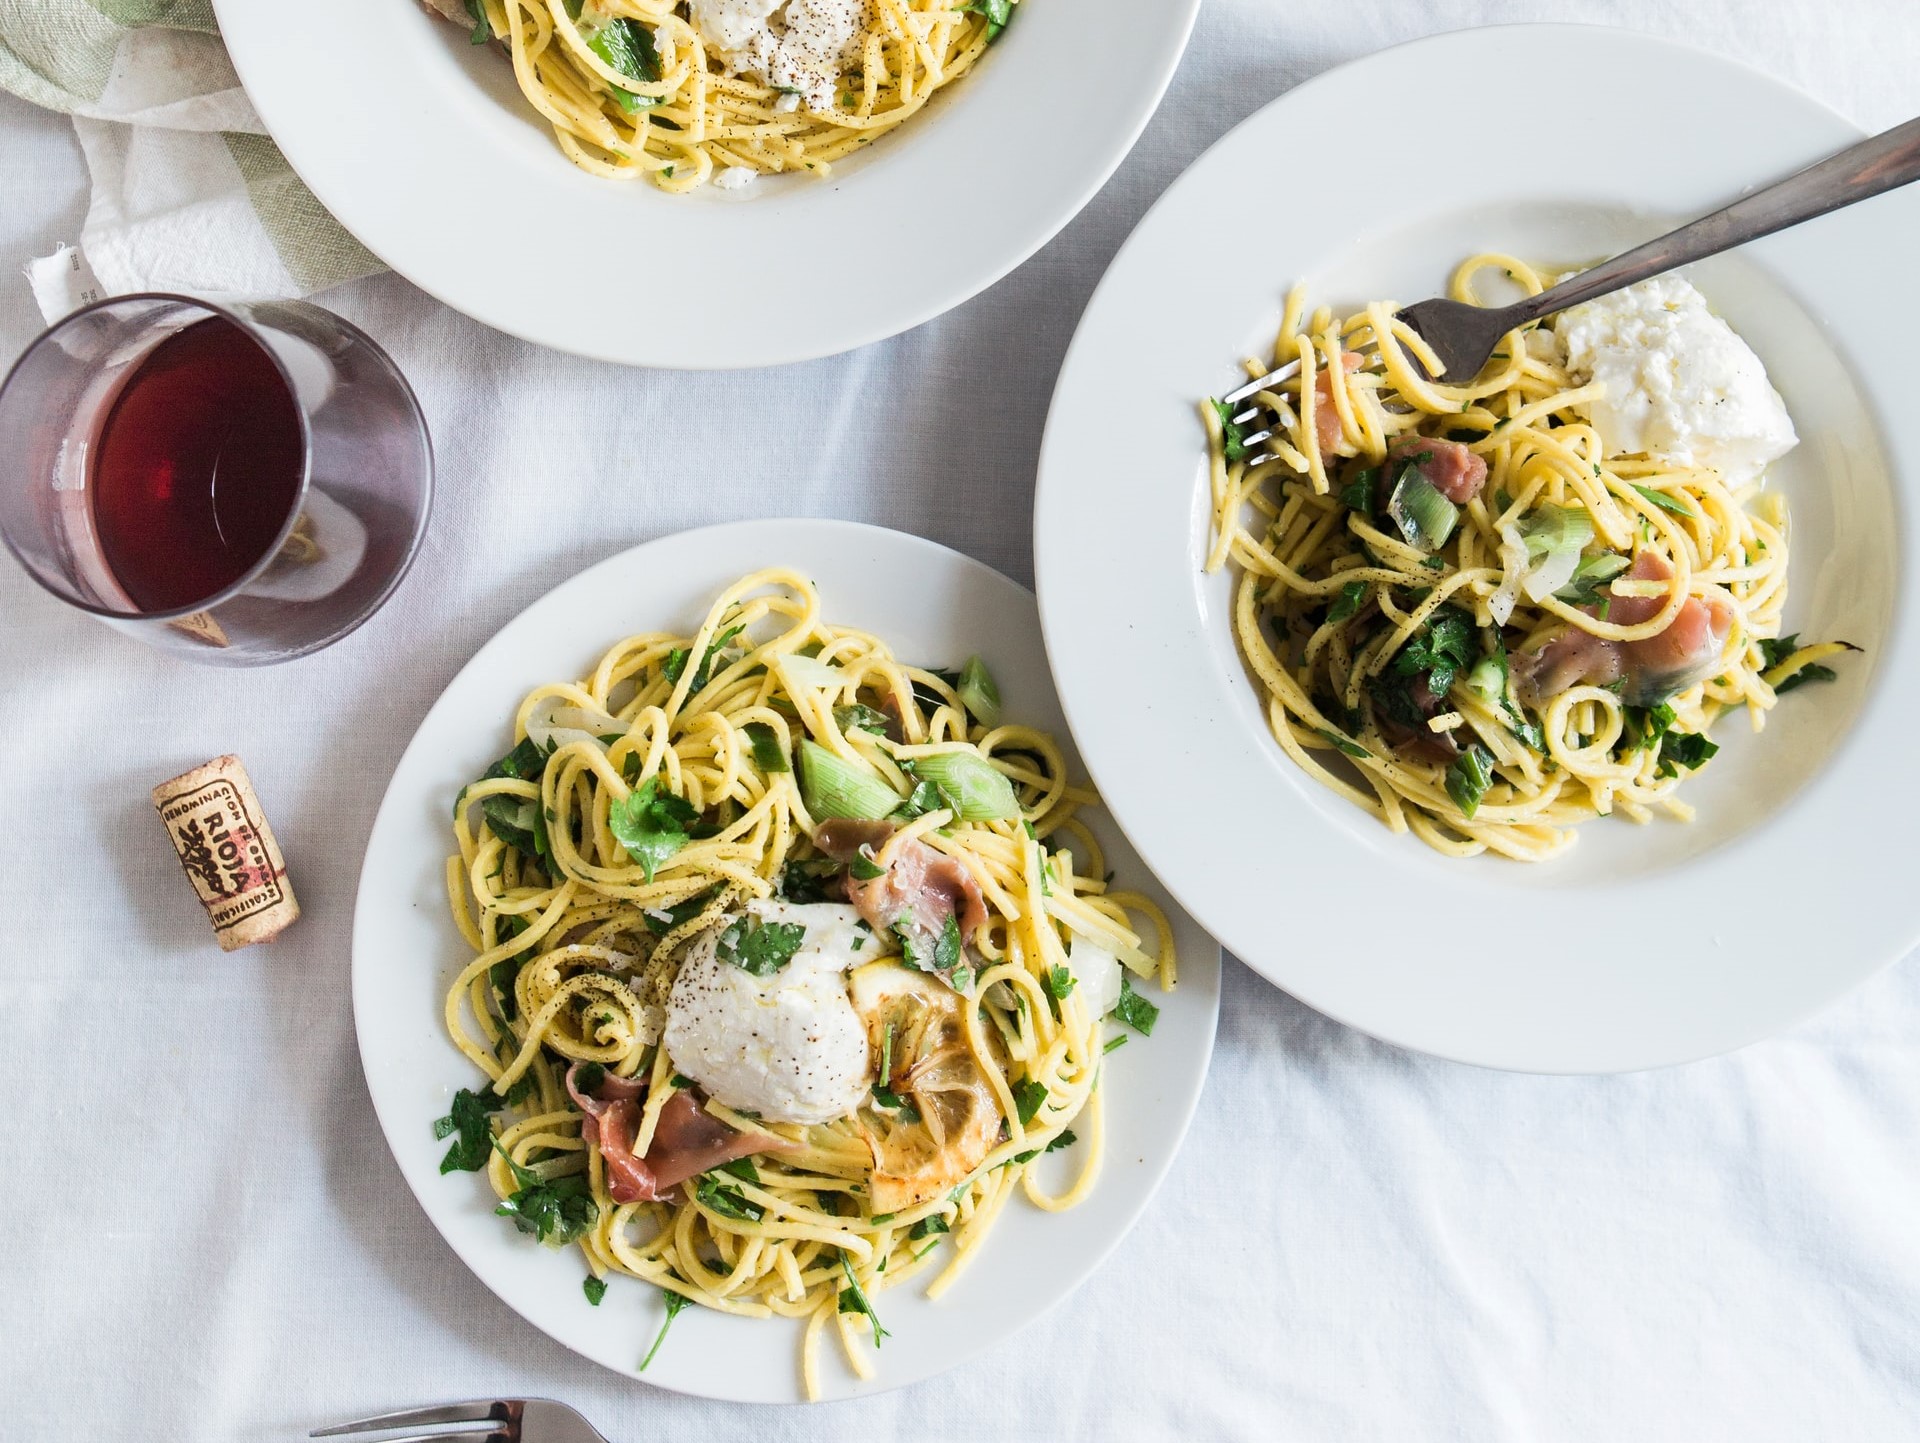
(188, 193)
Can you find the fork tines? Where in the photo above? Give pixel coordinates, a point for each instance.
(479, 1411)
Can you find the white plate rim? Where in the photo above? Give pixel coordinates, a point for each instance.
(405, 218)
(403, 1111)
(1074, 607)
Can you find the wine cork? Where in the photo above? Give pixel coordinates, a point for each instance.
(227, 849)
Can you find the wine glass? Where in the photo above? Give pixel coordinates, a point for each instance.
(240, 483)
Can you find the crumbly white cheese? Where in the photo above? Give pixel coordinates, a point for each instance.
(801, 46)
(1681, 386)
(788, 1046)
(733, 177)
(1096, 971)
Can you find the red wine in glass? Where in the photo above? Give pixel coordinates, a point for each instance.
(239, 483)
(197, 467)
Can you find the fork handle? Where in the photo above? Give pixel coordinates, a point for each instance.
(1857, 173)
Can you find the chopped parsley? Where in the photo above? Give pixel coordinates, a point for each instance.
(853, 1299)
(594, 1288)
(556, 1212)
(1060, 982)
(651, 824)
(678, 913)
(1683, 749)
(928, 1227)
(859, 717)
(766, 748)
(1468, 779)
(1352, 597)
(627, 46)
(1028, 1097)
(469, 1118)
(1442, 648)
(1647, 725)
(1066, 1139)
(726, 1201)
(761, 948)
(1135, 1010)
(1775, 652)
(1233, 435)
(675, 1302)
(676, 663)
(1357, 494)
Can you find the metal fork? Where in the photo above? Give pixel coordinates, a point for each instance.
(501, 1420)
(1463, 336)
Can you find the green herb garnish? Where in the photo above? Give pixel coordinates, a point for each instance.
(853, 1299)
(766, 748)
(627, 46)
(1028, 1096)
(1135, 1010)
(1468, 779)
(761, 948)
(1683, 749)
(1665, 502)
(594, 1288)
(858, 717)
(676, 663)
(1351, 598)
(1351, 748)
(556, 1212)
(651, 824)
(726, 1201)
(469, 1118)
(675, 1302)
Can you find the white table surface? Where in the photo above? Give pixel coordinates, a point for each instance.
(206, 1239)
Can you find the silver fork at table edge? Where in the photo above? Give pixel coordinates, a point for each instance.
(483, 1420)
(1463, 336)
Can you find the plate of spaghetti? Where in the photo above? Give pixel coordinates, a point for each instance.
(790, 1022)
(1610, 631)
(704, 183)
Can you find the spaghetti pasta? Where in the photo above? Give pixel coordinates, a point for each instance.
(579, 926)
(1464, 616)
(635, 89)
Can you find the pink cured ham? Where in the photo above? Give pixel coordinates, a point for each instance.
(916, 894)
(1447, 466)
(1686, 652)
(1327, 429)
(687, 1141)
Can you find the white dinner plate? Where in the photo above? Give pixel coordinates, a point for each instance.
(1643, 945)
(932, 605)
(422, 145)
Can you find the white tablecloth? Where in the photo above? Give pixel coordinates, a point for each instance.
(206, 1239)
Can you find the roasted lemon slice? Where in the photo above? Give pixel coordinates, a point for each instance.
(916, 1026)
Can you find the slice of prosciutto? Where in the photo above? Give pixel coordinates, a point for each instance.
(1447, 466)
(916, 896)
(1327, 429)
(687, 1141)
(1686, 652)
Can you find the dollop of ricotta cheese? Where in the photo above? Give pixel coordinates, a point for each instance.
(1681, 386)
(789, 1045)
(798, 46)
